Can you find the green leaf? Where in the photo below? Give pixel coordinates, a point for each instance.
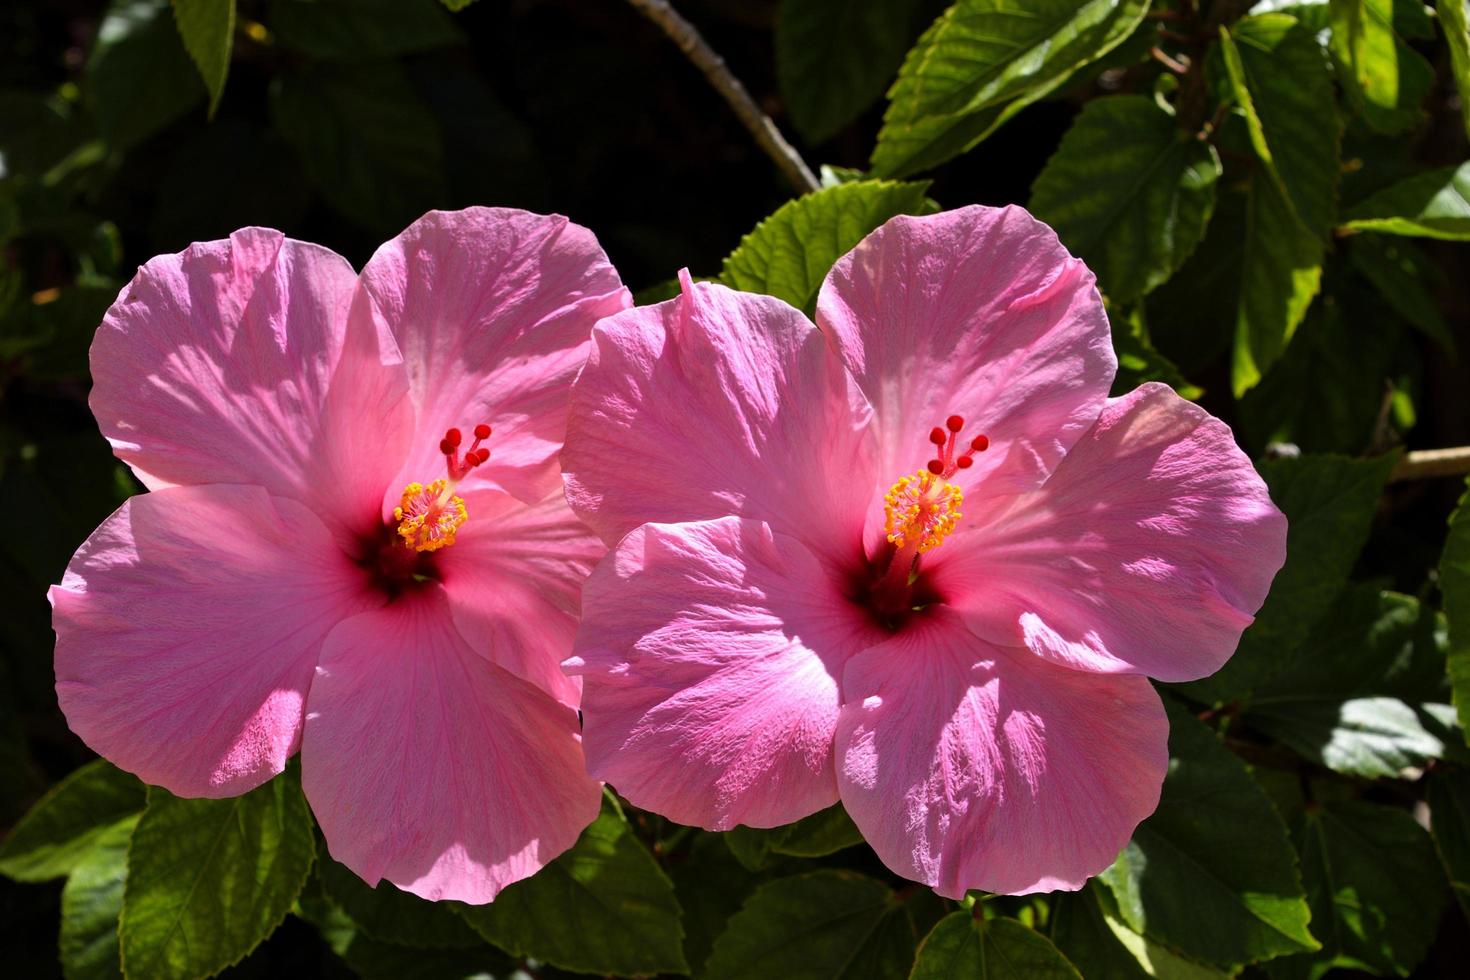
(208, 30)
(1385, 79)
(456, 5)
(1375, 885)
(1281, 272)
(391, 915)
(1216, 839)
(834, 58)
(1087, 928)
(1449, 822)
(365, 140)
(362, 30)
(1374, 737)
(1277, 74)
(1129, 192)
(982, 62)
(90, 905)
(962, 945)
(788, 254)
(65, 824)
(817, 926)
(1454, 20)
(1329, 503)
(209, 879)
(139, 77)
(1428, 205)
(1454, 584)
(602, 907)
(818, 835)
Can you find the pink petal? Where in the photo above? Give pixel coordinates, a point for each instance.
(709, 654)
(978, 312)
(187, 631)
(967, 766)
(713, 403)
(514, 581)
(213, 366)
(491, 309)
(1148, 551)
(429, 766)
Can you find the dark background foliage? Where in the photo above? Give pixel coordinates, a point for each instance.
(343, 120)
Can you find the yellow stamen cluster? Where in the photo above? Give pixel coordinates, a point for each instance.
(429, 517)
(921, 510)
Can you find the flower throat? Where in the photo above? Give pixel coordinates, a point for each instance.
(919, 512)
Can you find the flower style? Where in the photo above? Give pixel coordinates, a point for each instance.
(915, 560)
(338, 552)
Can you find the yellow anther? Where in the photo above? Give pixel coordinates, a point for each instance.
(429, 517)
(921, 510)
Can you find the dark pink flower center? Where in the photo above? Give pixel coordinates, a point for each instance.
(920, 512)
(399, 555)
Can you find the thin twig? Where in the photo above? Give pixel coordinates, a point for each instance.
(760, 125)
(1422, 464)
(1163, 58)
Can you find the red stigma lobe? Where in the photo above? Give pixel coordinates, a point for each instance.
(460, 466)
(949, 462)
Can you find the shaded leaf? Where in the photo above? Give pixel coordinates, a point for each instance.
(604, 906)
(834, 58)
(365, 140)
(818, 926)
(1217, 839)
(1129, 192)
(1454, 583)
(139, 76)
(209, 879)
(1329, 503)
(63, 827)
(1375, 886)
(983, 61)
(208, 30)
(389, 914)
(1087, 928)
(822, 833)
(711, 885)
(1139, 360)
(90, 905)
(962, 945)
(1449, 821)
(1428, 205)
(789, 254)
(362, 30)
(1403, 277)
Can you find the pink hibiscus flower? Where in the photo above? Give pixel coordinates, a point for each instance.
(337, 552)
(915, 560)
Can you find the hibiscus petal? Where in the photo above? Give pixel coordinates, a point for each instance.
(214, 364)
(429, 766)
(709, 654)
(719, 402)
(187, 631)
(1148, 551)
(978, 312)
(491, 309)
(967, 766)
(514, 581)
